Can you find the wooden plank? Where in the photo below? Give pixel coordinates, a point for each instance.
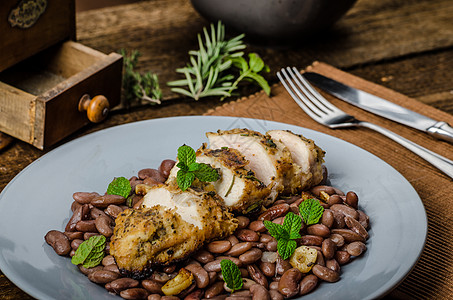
(163, 31)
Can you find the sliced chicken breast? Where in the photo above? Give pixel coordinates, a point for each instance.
(305, 153)
(271, 163)
(170, 226)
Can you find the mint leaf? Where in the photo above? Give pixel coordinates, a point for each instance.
(206, 173)
(286, 248)
(91, 252)
(186, 155)
(292, 224)
(194, 167)
(261, 82)
(184, 179)
(231, 274)
(119, 186)
(255, 62)
(311, 211)
(276, 230)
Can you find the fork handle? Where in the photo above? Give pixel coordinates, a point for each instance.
(442, 163)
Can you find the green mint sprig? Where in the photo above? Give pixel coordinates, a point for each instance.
(231, 274)
(91, 252)
(189, 169)
(285, 234)
(311, 211)
(119, 186)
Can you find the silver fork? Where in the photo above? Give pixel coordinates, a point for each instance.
(322, 111)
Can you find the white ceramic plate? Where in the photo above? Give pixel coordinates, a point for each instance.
(39, 198)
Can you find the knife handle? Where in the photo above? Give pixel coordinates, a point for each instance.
(442, 163)
(441, 130)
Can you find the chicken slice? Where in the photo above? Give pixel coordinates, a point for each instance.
(271, 164)
(238, 187)
(305, 154)
(168, 228)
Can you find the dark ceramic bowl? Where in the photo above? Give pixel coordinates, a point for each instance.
(274, 19)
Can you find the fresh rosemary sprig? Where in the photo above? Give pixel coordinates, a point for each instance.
(211, 68)
(138, 87)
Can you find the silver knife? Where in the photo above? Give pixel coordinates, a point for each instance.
(381, 107)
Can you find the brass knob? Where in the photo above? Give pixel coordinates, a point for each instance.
(97, 108)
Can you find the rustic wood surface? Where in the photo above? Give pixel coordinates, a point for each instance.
(406, 45)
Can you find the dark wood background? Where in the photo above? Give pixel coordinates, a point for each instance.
(406, 45)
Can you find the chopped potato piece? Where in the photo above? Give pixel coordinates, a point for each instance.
(178, 284)
(303, 258)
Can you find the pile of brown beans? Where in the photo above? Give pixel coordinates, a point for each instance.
(339, 237)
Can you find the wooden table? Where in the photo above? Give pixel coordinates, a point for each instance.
(406, 45)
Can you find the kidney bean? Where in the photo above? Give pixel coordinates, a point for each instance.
(349, 235)
(325, 273)
(280, 201)
(79, 214)
(265, 238)
(272, 245)
(342, 257)
(233, 259)
(169, 298)
(76, 243)
(87, 271)
(58, 241)
(355, 226)
(201, 276)
(338, 220)
(247, 283)
(134, 293)
(327, 218)
(328, 248)
(259, 292)
(345, 210)
(113, 268)
(273, 285)
(84, 197)
(154, 297)
(337, 239)
(117, 285)
(86, 226)
(282, 266)
(219, 246)
(214, 290)
(334, 199)
(152, 286)
(247, 235)
(274, 212)
(275, 295)
(324, 188)
(151, 173)
(239, 248)
(203, 256)
(352, 199)
(108, 260)
(267, 268)
(333, 265)
(87, 235)
(102, 276)
(278, 220)
(257, 276)
(364, 220)
(320, 258)
(132, 201)
(243, 222)
(75, 205)
(105, 200)
(234, 297)
(233, 240)
(213, 276)
(169, 269)
(150, 181)
(138, 204)
(165, 167)
(288, 285)
(258, 226)
(103, 225)
(74, 235)
(113, 210)
(195, 295)
(356, 248)
(96, 212)
(162, 277)
(309, 240)
(308, 284)
(319, 230)
(213, 266)
(251, 256)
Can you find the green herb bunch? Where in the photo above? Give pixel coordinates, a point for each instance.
(138, 87)
(218, 66)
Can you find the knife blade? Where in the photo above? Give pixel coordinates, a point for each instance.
(381, 107)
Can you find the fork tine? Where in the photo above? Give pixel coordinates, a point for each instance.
(315, 97)
(299, 98)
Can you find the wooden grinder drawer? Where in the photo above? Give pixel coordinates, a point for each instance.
(39, 97)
